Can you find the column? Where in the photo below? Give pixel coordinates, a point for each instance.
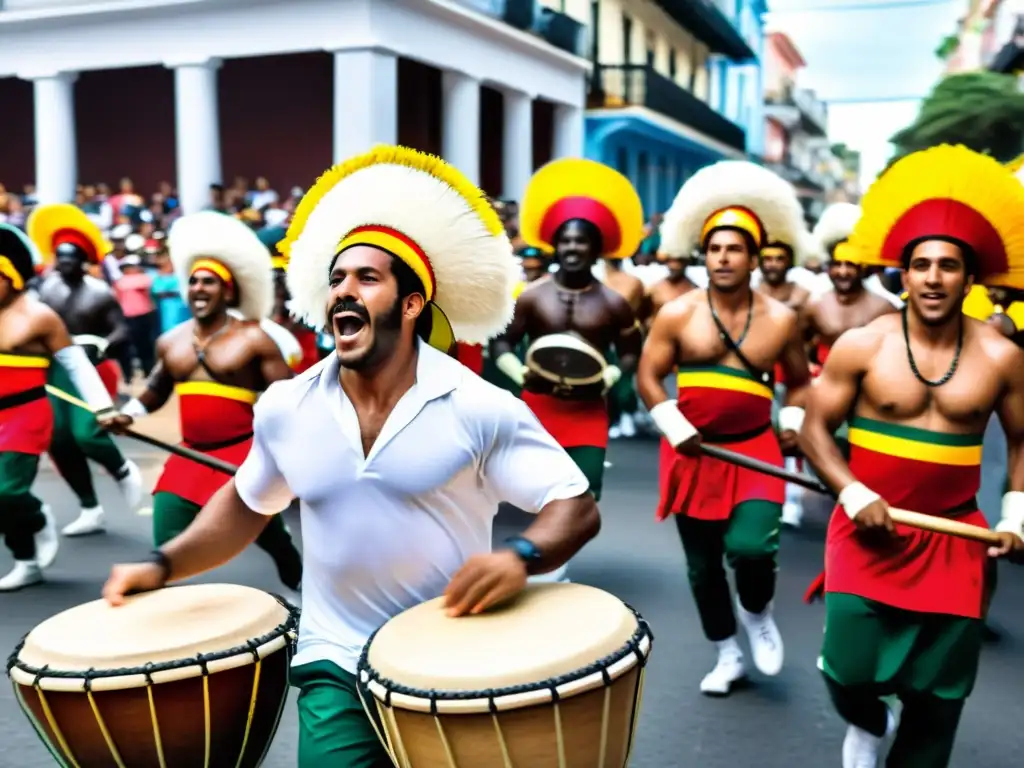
(568, 131)
(365, 101)
(460, 123)
(517, 152)
(196, 132)
(56, 149)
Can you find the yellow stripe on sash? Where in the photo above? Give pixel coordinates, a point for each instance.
(718, 380)
(214, 389)
(23, 361)
(904, 448)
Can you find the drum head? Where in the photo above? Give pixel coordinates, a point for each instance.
(154, 627)
(565, 359)
(547, 631)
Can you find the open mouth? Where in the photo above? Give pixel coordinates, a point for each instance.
(200, 302)
(348, 324)
(933, 296)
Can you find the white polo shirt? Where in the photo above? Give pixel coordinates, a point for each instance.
(384, 533)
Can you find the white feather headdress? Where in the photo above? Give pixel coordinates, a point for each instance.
(224, 239)
(836, 224)
(731, 184)
(407, 195)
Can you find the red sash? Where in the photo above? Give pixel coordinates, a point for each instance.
(26, 417)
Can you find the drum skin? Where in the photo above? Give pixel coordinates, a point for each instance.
(180, 717)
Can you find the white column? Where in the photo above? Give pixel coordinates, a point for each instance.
(196, 132)
(568, 131)
(460, 124)
(365, 101)
(56, 150)
(517, 149)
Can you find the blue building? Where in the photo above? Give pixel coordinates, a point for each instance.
(676, 85)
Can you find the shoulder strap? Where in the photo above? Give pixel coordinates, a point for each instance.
(765, 377)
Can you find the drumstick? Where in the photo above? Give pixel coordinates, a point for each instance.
(186, 453)
(905, 517)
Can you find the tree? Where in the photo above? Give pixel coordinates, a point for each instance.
(981, 110)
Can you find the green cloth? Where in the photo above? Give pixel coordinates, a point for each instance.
(899, 652)
(334, 731)
(590, 460)
(21, 513)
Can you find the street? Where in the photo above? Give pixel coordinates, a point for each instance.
(778, 723)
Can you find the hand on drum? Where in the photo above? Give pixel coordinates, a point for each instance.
(484, 581)
(126, 579)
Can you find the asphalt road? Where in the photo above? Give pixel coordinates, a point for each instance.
(777, 723)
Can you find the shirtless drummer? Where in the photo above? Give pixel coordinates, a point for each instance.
(582, 210)
(66, 237)
(670, 287)
(217, 363)
(30, 335)
(904, 607)
(725, 342)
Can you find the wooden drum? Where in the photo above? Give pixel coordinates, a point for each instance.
(191, 676)
(552, 679)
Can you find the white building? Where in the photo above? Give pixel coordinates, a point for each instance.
(49, 43)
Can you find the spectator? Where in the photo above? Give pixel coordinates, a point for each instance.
(165, 290)
(134, 293)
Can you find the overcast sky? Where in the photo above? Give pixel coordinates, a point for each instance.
(872, 60)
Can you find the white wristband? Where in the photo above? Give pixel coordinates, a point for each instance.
(1013, 514)
(671, 423)
(512, 367)
(135, 409)
(791, 418)
(855, 497)
(611, 375)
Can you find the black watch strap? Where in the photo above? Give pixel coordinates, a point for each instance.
(159, 558)
(525, 549)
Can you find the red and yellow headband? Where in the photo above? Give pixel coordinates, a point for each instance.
(393, 241)
(8, 270)
(214, 266)
(737, 217)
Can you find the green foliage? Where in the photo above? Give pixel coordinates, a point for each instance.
(981, 110)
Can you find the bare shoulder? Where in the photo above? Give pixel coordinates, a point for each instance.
(678, 311)
(800, 295)
(859, 346)
(38, 314)
(776, 310)
(615, 301)
(880, 305)
(1004, 355)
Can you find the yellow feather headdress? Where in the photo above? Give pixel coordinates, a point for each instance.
(424, 212)
(49, 226)
(946, 192)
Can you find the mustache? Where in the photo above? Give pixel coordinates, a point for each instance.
(350, 305)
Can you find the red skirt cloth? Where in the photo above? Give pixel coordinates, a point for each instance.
(26, 417)
(573, 423)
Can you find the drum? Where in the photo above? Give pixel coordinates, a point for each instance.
(552, 679)
(567, 361)
(184, 676)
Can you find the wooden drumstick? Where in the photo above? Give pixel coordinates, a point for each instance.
(178, 450)
(905, 517)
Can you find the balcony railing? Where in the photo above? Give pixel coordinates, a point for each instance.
(560, 30)
(639, 85)
(810, 111)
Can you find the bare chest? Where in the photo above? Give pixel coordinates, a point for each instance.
(761, 340)
(229, 359)
(832, 319)
(587, 313)
(18, 333)
(663, 293)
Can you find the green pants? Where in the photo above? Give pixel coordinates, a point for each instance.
(77, 437)
(21, 513)
(173, 514)
(930, 661)
(590, 460)
(749, 542)
(334, 731)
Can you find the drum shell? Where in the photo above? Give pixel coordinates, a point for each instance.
(541, 386)
(530, 734)
(180, 719)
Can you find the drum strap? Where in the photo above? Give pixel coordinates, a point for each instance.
(733, 345)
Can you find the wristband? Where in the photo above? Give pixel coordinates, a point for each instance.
(855, 497)
(671, 423)
(1012, 520)
(611, 376)
(135, 409)
(158, 557)
(512, 367)
(791, 419)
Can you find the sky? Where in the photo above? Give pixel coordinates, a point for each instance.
(871, 60)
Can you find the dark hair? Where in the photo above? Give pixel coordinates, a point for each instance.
(590, 232)
(408, 284)
(966, 251)
(752, 248)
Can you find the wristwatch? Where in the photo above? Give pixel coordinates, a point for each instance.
(525, 549)
(157, 557)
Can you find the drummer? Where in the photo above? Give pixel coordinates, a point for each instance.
(725, 361)
(397, 452)
(582, 210)
(904, 607)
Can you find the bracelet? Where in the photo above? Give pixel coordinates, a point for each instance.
(158, 557)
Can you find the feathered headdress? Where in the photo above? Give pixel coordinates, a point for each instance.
(52, 225)
(223, 245)
(424, 212)
(574, 188)
(732, 194)
(834, 227)
(952, 193)
(803, 250)
(18, 256)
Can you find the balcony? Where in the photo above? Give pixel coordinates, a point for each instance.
(703, 20)
(797, 109)
(638, 85)
(558, 29)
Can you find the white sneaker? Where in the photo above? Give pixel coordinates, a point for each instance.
(24, 574)
(862, 749)
(90, 520)
(47, 541)
(614, 433)
(626, 426)
(792, 514)
(765, 640)
(131, 485)
(729, 670)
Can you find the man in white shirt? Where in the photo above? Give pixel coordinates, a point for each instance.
(398, 453)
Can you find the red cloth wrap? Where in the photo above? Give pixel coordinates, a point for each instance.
(471, 356)
(110, 375)
(573, 423)
(26, 428)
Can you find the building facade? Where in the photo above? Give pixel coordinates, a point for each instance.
(199, 91)
(661, 86)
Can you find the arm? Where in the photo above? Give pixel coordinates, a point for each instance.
(115, 321)
(1011, 416)
(273, 366)
(628, 340)
(87, 381)
(501, 347)
(798, 378)
(159, 388)
(658, 360)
